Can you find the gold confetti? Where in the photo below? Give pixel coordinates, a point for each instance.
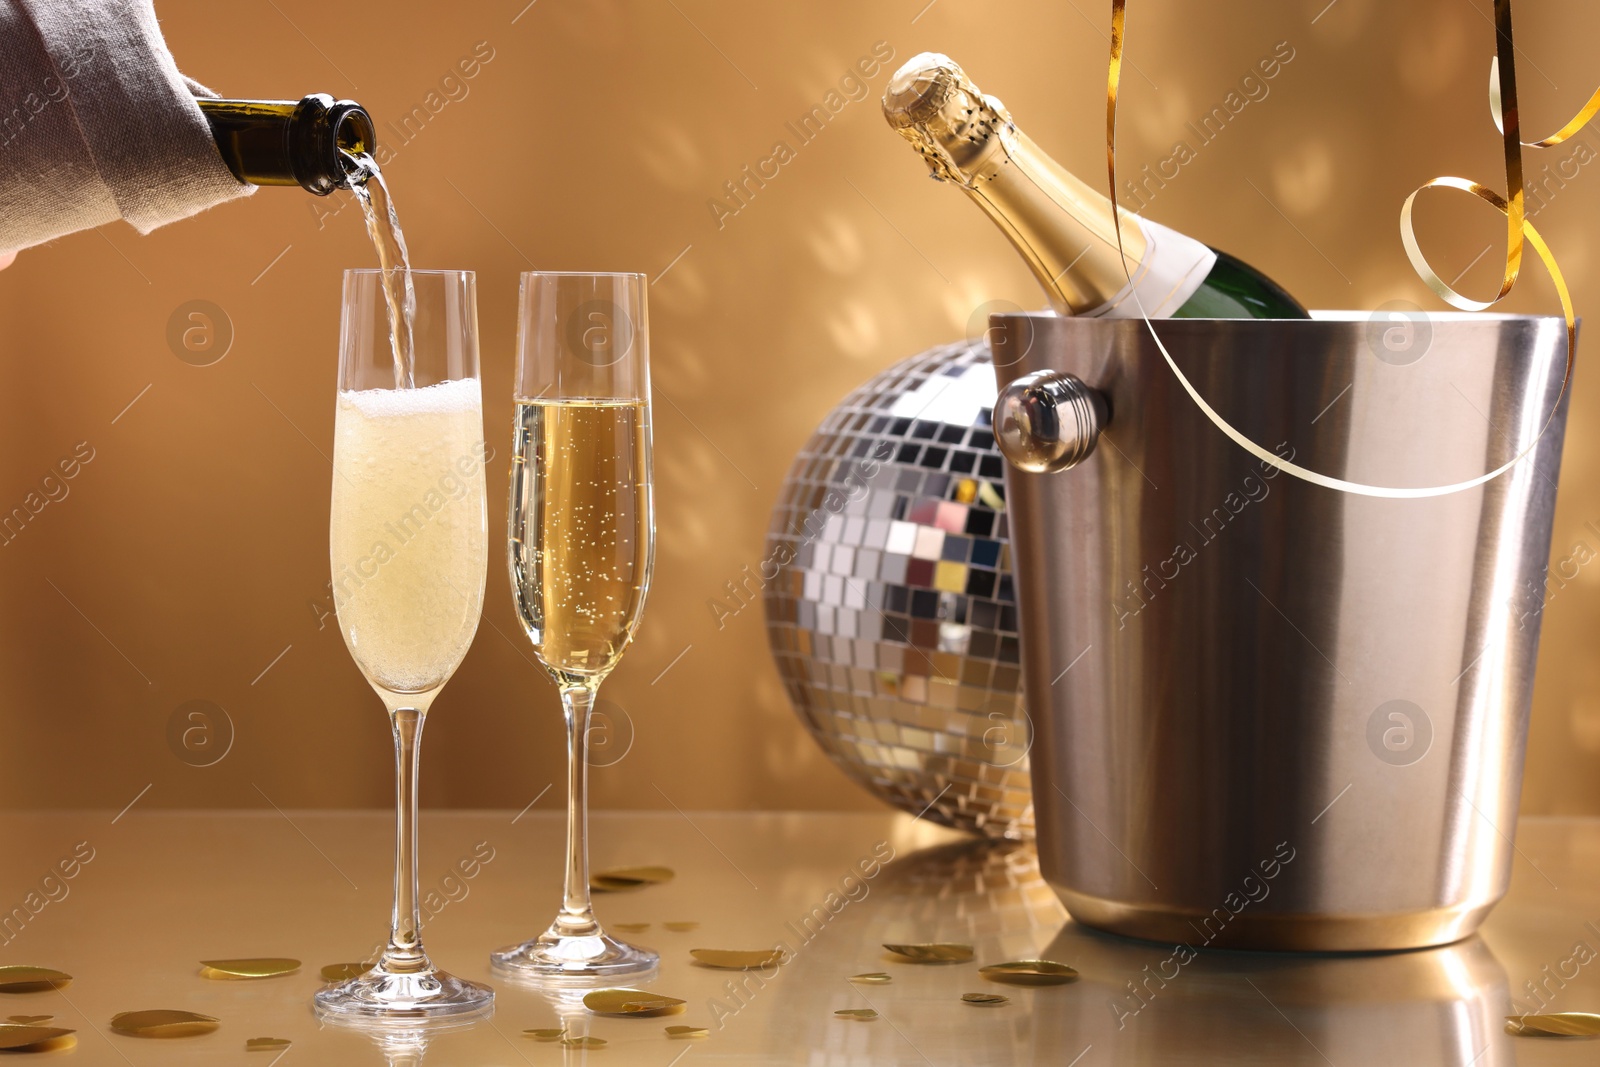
(267, 967)
(638, 1002)
(30, 1020)
(343, 972)
(545, 1034)
(266, 1044)
(163, 1022)
(985, 998)
(632, 928)
(584, 1042)
(22, 979)
(35, 1038)
(735, 960)
(687, 1031)
(681, 927)
(857, 1013)
(1555, 1024)
(1029, 972)
(618, 879)
(937, 952)
(873, 978)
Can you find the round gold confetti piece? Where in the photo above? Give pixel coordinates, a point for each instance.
(687, 1031)
(23, 979)
(681, 927)
(266, 1044)
(584, 1042)
(936, 952)
(1029, 972)
(857, 1013)
(343, 972)
(631, 928)
(30, 1020)
(736, 960)
(34, 1038)
(265, 967)
(545, 1034)
(873, 978)
(635, 1002)
(163, 1022)
(618, 879)
(1555, 1024)
(985, 998)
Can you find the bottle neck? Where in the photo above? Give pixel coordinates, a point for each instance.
(1061, 226)
(285, 142)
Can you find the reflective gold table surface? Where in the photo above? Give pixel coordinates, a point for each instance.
(151, 894)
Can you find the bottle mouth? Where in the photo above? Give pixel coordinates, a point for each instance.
(353, 131)
(332, 132)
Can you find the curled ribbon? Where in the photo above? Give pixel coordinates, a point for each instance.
(1502, 88)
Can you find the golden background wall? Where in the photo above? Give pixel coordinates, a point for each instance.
(188, 558)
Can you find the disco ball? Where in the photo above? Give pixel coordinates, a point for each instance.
(892, 613)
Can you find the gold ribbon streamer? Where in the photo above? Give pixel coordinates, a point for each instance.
(1502, 88)
(1579, 121)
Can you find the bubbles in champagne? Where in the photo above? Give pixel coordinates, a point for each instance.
(408, 535)
(581, 529)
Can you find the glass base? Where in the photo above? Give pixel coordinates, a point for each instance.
(379, 994)
(555, 958)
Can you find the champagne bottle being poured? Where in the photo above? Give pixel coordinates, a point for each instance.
(1060, 225)
(315, 143)
(322, 144)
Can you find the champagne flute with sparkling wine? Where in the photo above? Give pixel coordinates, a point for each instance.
(581, 548)
(409, 549)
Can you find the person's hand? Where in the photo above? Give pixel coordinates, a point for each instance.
(6, 258)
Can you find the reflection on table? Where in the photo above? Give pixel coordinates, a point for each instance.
(165, 890)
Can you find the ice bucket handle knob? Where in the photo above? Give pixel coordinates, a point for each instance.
(1047, 421)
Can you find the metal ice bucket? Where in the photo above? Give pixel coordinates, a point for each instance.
(1268, 714)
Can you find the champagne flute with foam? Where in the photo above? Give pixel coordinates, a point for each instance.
(409, 549)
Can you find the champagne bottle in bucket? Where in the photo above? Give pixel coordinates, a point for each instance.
(1062, 227)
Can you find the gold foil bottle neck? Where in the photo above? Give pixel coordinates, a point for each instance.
(1064, 229)
(957, 130)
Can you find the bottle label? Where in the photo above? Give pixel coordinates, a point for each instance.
(1174, 266)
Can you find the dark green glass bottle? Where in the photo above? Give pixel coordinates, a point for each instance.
(287, 142)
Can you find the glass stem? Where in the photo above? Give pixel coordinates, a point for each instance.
(577, 917)
(404, 954)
